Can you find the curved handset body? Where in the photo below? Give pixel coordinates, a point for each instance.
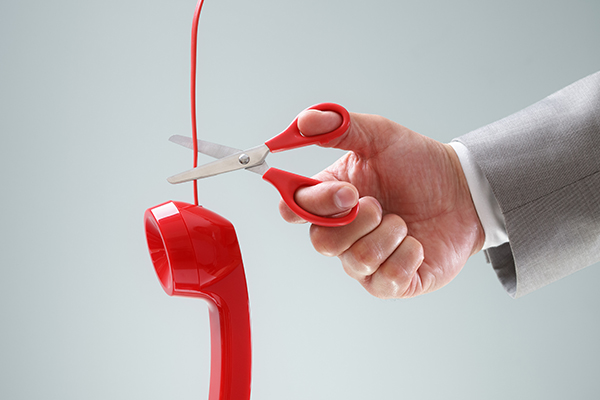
(195, 253)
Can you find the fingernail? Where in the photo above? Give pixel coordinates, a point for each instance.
(345, 198)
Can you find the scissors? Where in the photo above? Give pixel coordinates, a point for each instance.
(231, 159)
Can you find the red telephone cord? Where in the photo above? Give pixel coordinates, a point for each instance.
(193, 91)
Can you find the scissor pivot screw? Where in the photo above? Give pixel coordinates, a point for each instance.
(244, 159)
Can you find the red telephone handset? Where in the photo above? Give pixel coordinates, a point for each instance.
(195, 253)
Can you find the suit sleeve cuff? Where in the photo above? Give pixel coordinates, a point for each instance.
(486, 205)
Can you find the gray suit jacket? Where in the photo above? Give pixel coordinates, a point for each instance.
(543, 164)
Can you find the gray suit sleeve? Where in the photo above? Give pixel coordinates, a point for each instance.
(543, 165)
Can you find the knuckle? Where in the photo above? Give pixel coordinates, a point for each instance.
(399, 228)
(366, 257)
(288, 215)
(401, 280)
(323, 242)
(372, 211)
(383, 292)
(355, 268)
(376, 291)
(389, 288)
(415, 251)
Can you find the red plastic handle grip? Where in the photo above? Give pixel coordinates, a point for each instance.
(287, 184)
(292, 138)
(195, 253)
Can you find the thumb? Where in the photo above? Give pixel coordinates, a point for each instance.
(329, 198)
(368, 134)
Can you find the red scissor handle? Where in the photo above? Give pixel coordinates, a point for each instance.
(287, 184)
(292, 138)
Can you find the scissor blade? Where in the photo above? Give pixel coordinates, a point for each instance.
(209, 148)
(254, 161)
(215, 150)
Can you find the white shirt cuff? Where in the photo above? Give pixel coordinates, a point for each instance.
(486, 205)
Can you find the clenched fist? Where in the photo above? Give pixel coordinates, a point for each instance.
(417, 224)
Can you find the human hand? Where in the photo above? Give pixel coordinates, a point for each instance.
(417, 224)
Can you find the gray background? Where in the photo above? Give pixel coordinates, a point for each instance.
(89, 94)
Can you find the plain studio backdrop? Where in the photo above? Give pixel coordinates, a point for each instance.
(90, 93)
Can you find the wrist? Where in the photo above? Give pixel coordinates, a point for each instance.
(464, 202)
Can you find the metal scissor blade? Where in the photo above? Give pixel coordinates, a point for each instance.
(215, 150)
(210, 149)
(252, 159)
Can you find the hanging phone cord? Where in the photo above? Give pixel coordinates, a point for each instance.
(193, 91)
